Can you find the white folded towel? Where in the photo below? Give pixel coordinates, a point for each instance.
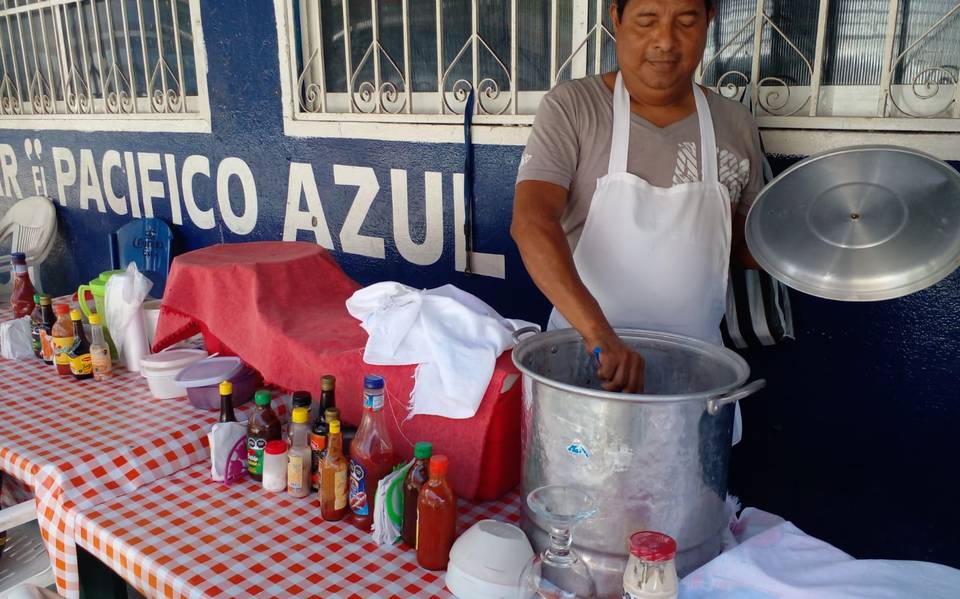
(452, 336)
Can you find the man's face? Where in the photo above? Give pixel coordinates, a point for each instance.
(661, 42)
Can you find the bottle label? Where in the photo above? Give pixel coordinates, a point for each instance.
(358, 490)
(19, 269)
(255, 447)
(102, 365)
(295, 472)
(340, 489)
(46, 346)
(81, 365)
(318, 449)
(62, 346)
(373, 401)
(35, 338)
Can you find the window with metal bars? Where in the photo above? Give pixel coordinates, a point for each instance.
(128, 59)
(817, 64)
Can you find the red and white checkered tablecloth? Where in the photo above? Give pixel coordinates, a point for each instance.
(186, 537)
(81, 443)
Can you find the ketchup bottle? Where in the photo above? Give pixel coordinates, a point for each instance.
(21, 297)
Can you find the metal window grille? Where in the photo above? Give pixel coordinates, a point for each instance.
(814, 64)
(127, 58)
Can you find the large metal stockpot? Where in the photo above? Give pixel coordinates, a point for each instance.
(653, 461)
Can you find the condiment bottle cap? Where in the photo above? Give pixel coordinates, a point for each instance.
(301, 399)
(276, 447)
(331, 414)
(36, 298)
(334, 426)
(300, 415)
(373, 381)
(94, 319)
(438, 465)
(226, 388)
(652, 546)
(45, 300)
(422, 450)
(76, 315)
(328, 382)
(262, 397)
(61, 308)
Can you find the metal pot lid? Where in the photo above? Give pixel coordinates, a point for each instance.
(859, 224)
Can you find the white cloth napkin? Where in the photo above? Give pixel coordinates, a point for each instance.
(452, 336)
(775, 559)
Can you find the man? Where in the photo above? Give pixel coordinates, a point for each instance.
(633, 190)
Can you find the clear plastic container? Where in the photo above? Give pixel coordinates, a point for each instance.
(202, 382)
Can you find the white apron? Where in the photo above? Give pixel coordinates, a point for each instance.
(657, 258)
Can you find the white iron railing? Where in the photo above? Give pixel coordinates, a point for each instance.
(928, 101)
(126, 58)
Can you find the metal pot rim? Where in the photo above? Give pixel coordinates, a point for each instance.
(534, 342)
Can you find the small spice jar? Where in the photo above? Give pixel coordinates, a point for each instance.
(651, 572)
(275, 466)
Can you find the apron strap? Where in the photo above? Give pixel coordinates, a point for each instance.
(708, 138)
(620, 141)
(620, 137)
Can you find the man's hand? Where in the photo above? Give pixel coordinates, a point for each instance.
(621, 367)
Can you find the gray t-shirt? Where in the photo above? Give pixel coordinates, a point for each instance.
(570, 147)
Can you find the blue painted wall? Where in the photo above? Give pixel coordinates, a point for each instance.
(855, 439)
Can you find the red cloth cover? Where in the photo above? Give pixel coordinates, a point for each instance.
(279, 306)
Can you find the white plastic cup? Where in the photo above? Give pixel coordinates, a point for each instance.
(134, 345)
(151, 316)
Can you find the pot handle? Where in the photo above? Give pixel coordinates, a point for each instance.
(714, 405)
(528, 330)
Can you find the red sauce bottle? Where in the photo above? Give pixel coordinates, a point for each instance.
(436, 518)
(371, 454)
(21, 297)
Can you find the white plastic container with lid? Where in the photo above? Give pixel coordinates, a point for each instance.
(651, 572)
(161, 370)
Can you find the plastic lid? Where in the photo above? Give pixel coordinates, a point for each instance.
(18, 256)
(328, 382)
(301, 399)
(174, 359)
(276, 447)
(334, 426)
(226, 388)
(439, 465)
(76, 315)
(331, 414)
(652, 546)
(209, 372)
(422, 450)
(300, 415)
(262, 397)
(61, 309)
(36, 298)
(373, 381)
(105, 275)
(94, 319)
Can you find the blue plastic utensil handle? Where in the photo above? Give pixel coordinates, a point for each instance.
(596, 356)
